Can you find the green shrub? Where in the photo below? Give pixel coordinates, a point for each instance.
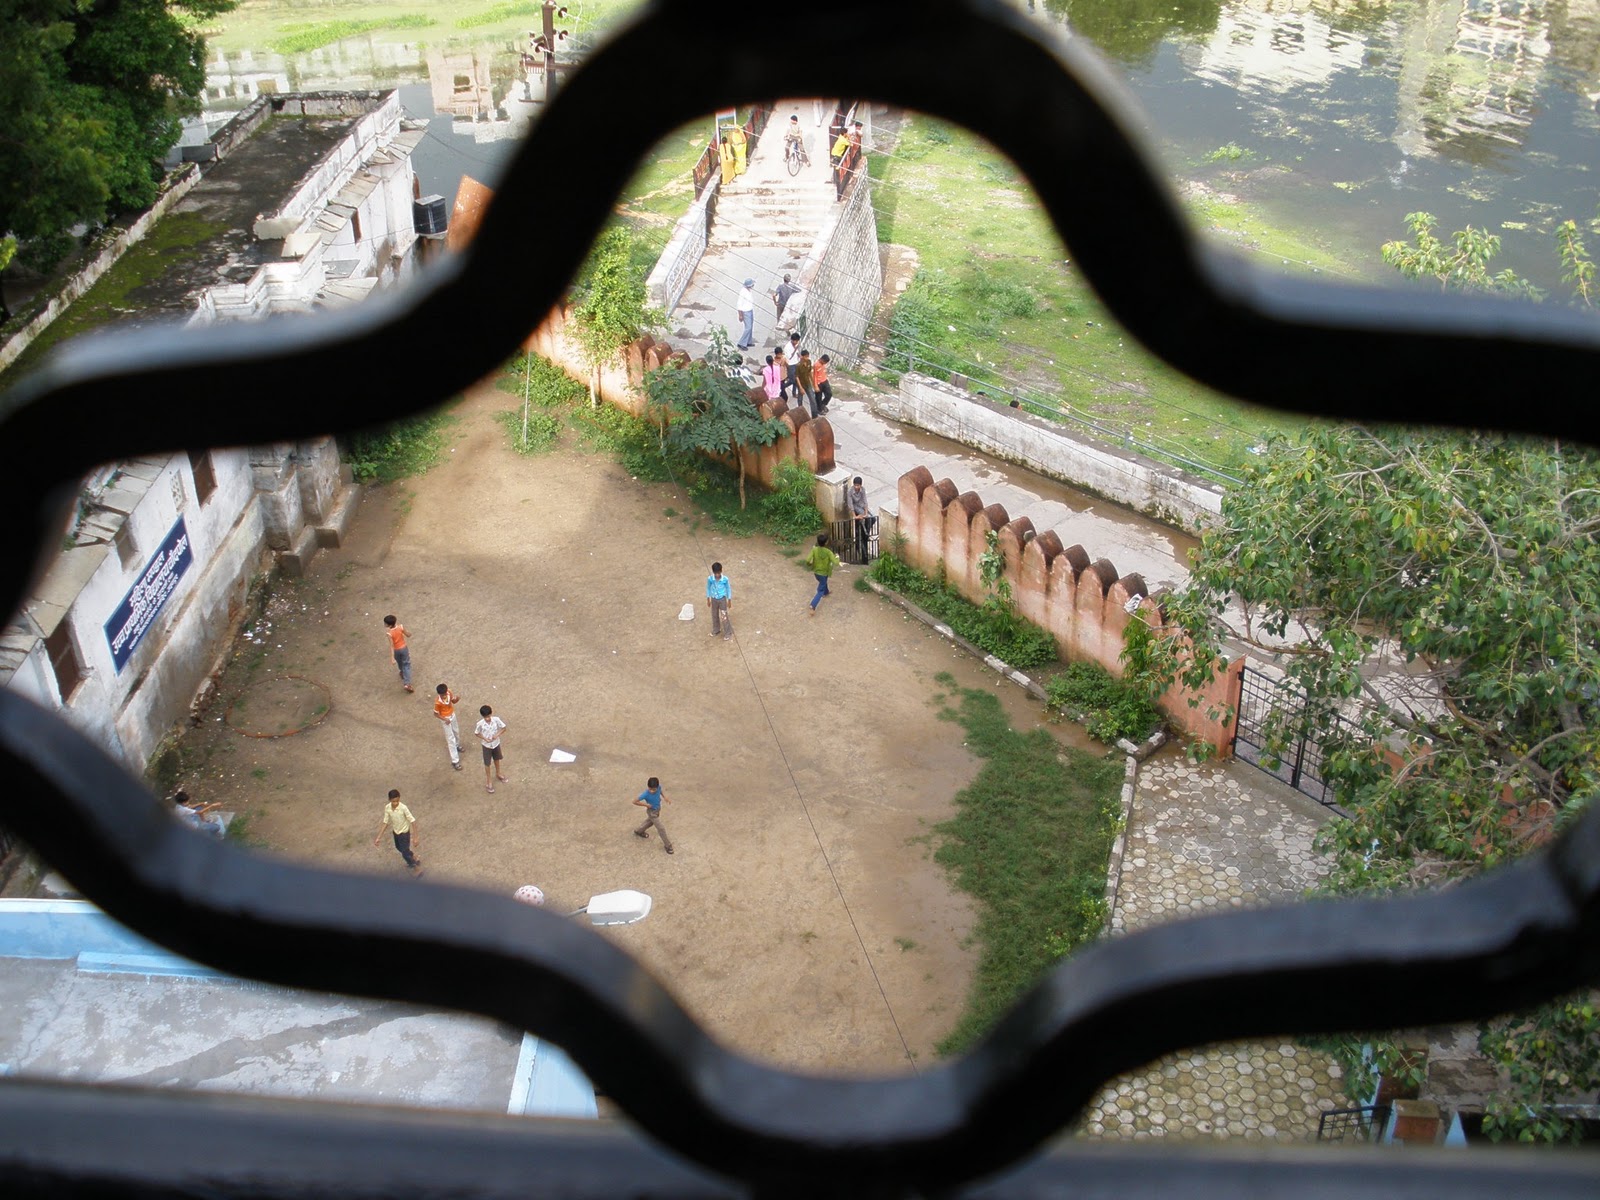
(993, 626)
(789, 512)
(1110, 709)
(394, 451)
(920, 328)
(1029, 842)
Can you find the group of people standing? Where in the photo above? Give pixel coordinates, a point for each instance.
(791, 374)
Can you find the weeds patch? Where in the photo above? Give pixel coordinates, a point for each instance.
(1029, 842)
(992, 627)
(398, 450)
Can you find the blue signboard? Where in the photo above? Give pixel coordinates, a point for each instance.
(145, 600)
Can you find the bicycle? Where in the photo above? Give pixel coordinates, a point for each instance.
(794, 155)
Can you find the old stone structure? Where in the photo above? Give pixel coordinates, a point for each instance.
(1084, 603)
(129, 619)
(842, 277)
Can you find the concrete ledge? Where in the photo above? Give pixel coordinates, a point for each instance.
(1119, 847)
(1017, 677)
(294, 561)
(1160, 492)
(93, 962)
(332, 533)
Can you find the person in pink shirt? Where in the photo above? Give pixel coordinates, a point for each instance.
(772, 377)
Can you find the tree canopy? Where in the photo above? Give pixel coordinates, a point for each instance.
(91, 96)
(708, 410)
(1434, 600)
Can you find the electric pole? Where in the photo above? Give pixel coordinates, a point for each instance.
(545, 43)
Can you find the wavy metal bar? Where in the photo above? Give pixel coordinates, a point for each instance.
(1498, 943)
(1338, 350)
(1526, 933)
(168, 1144)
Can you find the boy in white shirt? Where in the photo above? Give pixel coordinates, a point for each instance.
(489, 730)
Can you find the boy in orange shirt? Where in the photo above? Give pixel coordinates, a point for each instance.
(444, 707)
(397, 646)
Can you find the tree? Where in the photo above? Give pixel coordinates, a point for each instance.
(608, 302)
(707, 410)
(91, 93)
(1463, 263)
(1435, 598)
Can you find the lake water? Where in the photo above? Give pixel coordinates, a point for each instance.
(1337, 115)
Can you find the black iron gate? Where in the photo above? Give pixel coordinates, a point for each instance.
(853, 544)
(1263, 701)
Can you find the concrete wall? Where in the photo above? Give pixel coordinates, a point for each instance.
(621, 382)
(841, 279)
(287, 498)
(1162, 493)
(1084, 603)
(683, 252)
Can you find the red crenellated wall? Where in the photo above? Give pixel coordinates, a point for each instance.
(1084, 604)
(808, 439)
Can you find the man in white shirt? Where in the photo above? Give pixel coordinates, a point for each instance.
(747, 314)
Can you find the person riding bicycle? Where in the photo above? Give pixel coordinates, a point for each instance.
(793, 140)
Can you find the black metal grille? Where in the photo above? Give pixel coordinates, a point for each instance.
(1528, 933)
(1364, 1124)
(852, 542)
(1270, 733)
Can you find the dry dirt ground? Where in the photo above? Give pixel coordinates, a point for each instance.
(801, 918)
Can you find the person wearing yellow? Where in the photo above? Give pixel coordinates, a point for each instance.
(398, 820)
(725, 152)
(740, 144)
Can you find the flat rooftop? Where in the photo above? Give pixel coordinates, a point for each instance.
(84, 1000)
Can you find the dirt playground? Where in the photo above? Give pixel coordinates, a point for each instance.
(801, 919)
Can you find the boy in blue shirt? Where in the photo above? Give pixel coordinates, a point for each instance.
(719, 599)
(651, 800)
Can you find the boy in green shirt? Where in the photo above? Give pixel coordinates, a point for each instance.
(822, 561)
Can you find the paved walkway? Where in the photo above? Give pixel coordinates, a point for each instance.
(766, 224)
(1203, 838)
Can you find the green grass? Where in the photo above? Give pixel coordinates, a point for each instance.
(998, 631)
(398, 450)
(284, 24)
(174, 240)
(993, 267)
(1030, 842)
(302, 38)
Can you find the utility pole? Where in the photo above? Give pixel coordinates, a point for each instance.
(545, 43)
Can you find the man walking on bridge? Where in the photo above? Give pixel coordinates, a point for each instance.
(781, 296)
(746, 309)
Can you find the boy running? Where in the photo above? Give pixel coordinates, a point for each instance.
(822, 561)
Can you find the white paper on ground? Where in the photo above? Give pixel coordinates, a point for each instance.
(686, 613)
(562, 756)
